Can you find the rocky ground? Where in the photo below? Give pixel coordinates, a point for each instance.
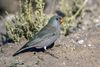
(81, 48)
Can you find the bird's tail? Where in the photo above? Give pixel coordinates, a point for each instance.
(21, 50)
(18, 52)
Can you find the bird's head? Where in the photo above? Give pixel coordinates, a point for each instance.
(61, 16)
(57, 19)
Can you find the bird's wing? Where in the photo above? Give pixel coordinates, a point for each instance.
(40, 42)
(48, 32)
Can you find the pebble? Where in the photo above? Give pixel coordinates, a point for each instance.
(80, 41)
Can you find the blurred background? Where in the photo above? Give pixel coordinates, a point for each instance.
(12, 6)
(79, 14)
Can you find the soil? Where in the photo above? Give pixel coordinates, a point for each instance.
(79, 49)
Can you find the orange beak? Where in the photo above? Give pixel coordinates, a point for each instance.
(61, 20)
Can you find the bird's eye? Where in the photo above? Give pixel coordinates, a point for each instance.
(57, 19)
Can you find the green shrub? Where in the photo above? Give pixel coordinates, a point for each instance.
(26, 23)
(72, 11)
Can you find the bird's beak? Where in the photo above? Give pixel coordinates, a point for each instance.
(61, 20)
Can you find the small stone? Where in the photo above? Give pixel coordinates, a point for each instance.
(84, 45)
(64, 63)
(89, 45)
(77, 62)
(81, 41)
(10, 46)
(96, 20)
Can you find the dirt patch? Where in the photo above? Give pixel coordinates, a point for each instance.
(80, 49)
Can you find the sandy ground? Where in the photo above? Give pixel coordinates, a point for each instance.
(81, 49)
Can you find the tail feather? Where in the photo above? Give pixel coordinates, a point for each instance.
(16, 53)
(25, 47)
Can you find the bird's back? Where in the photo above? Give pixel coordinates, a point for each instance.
(45, 37)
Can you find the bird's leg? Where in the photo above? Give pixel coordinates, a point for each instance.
(45, 48)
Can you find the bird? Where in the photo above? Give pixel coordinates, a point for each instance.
(46, 36)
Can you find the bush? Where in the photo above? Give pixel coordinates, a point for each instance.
(72, 11)
(26, 23)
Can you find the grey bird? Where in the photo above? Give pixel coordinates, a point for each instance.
(46, 36)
